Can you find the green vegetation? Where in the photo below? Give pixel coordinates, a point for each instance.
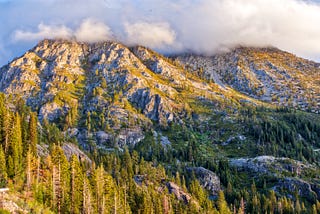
(186, 123)
(136, 180)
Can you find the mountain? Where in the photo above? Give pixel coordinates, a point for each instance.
(267, 74)
(64, 81)
(162, 132)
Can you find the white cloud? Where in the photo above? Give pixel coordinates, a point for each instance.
(44, 32)
(202, 26)
(288, 24)
(93, 31)
(153, 35)
(89, 31)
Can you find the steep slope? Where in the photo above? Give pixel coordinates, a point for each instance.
(106, 86)
(268, 74)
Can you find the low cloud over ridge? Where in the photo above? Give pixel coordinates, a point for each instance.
(204, 26)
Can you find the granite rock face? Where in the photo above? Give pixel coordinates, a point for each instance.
(295, 185)
(268, 74)
(290, 176)
(208, 179)
(104, 87)
(178, 192)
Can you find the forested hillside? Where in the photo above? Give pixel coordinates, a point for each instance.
(103, 128)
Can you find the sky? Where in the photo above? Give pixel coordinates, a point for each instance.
(168, 26)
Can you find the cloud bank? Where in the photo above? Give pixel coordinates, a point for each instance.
(44, 31)
(93, 31)
(153, 35)
(202, 26)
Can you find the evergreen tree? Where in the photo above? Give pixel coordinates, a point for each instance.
(298, 208)
(272, 201)
(76, 187)
(33, 133)
(127, 163)
(87, 202)
(60, 179)
(4, 123)
(16, 148)
(29, 176)
(99, 189)
(314, 209)
(10, 167)
(198, 192)
(222, 204)
(3, 168)
(242, 207)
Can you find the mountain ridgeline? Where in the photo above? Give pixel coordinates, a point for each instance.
(235, 132)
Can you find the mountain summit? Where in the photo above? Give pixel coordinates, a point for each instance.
(69, 82)
(267, 74)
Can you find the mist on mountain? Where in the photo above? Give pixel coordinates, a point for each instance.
(204, 27)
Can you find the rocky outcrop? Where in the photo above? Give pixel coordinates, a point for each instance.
(130, 137)
(70, 149)
(290, 175)
(105, 140)
(208, 180)
(43, 150)
(12, 207)
(159, 65)
(163, 140)
(46, 77)
(271, 165)
(172, 187)
(153, 105)
(291, 186)
(180, 194)
(9, 203)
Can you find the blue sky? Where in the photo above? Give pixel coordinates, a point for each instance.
(200, 26)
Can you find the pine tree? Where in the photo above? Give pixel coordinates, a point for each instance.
(127, 163)
(28, 171)
(87, 197)
(33, 133)
(146, 204)
(4, 123)
(177, 179)
(314, 209)
(166, 205)
(200, 194)
(10, 167)
(3, 168)
(88, 123)
(273, 201)
(111, 194)
(242, 207)
(76, 185)
(298, 208)
(222, 204)
(99, 189)
(61, 180)
(16, 148)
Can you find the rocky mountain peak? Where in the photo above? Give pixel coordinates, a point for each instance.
(75, 82)
(70, 81)
(267, 74)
